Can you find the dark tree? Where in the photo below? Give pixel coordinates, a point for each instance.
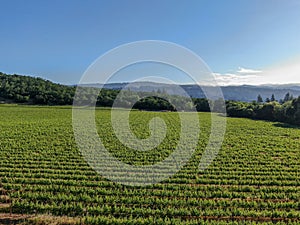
(259, 99)
(202, 104)
(287, 97)
(273, 98)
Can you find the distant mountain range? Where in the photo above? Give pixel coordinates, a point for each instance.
(27, 89)
(239, 93)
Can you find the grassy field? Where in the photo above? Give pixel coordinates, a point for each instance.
(254, 179)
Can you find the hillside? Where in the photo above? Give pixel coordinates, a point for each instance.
(33, 90)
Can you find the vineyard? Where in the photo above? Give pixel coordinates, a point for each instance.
(254, 179)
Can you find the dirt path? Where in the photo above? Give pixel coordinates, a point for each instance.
(7, 218)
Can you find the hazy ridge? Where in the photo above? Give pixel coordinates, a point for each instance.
(239, 93)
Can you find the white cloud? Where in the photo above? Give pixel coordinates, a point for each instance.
(234, 79)
(282, 73)
(248, 71)
(240, 77)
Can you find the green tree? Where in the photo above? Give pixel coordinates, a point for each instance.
(259, 99)
(219, 106)
(287, 97)
(273, 98)
(202, 104)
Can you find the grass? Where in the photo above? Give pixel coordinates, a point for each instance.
(255, 177)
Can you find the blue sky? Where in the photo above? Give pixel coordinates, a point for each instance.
(242, 41)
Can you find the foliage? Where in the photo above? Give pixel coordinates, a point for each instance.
(288, 112)
(30, 90)
(25, 89)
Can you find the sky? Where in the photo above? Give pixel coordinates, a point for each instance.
(241, 41)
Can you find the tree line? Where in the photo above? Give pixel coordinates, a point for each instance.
(31, 90)
(34, 90)
(285, 110)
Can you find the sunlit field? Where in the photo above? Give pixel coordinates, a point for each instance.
(255, 177)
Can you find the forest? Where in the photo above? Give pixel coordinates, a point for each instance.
(34, 90)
